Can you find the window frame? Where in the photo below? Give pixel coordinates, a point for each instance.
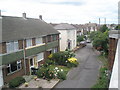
(9, 66)
(10, 46)
(27, 46)
(40, 58)
(39, 38)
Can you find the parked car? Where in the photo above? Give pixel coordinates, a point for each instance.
(83, 43)
(88, 41)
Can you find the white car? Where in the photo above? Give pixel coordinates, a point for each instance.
(88, 41)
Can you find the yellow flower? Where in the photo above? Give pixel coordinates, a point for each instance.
(72, 59)
(50, 56)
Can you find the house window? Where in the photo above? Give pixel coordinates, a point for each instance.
(49, 38)
(54, 37)
(28, 42)
(14, 67)
(12, 46)
(40, 57)
(39, 41)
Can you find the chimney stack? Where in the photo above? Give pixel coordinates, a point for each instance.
(99, 21)
(105, 20)
(24, 15)
(40, 17)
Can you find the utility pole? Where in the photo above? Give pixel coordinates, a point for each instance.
(105, 20)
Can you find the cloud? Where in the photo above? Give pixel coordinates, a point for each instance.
(57, 11)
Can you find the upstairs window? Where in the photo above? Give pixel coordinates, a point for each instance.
(49, 38)
(28, 42)
(39, 41)
(12, 46)
(54, 37)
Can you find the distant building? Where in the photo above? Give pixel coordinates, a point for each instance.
(89, 27)
(67, 36)
(79, 28)
(25, 44)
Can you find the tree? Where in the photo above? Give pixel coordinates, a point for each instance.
(80, 38)
(100, 40)
(117, 27)
(103, 28)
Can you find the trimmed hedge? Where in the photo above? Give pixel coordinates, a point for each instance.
(16, 82)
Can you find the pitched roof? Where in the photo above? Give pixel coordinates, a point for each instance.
(16, 28)
(64, 26)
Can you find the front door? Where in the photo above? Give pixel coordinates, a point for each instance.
(1, 77)
(33, 65)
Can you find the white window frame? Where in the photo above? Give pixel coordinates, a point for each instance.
(40, 40)
(9, 49)
(27, 43)
(17, 62)
(40, 58)
(16, 49)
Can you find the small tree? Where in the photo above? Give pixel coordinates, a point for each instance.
(117, 27)
(80, 38)
(103, 28)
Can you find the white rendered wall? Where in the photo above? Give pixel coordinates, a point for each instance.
(63, 40)
(64, 36)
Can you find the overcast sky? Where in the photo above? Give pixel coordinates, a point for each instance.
(63, 11)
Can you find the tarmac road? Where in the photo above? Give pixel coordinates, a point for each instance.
(86, 74)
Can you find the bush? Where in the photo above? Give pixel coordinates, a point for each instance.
(16, 82)
(50, 62)
(41, 72)
(60, 58)
(61, 75)
(45, 73)
(73, 64)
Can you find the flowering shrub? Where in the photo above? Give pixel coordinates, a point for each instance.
(72, 60)
(50, 73)
(50, 56)
(45, 73)
(60, 58)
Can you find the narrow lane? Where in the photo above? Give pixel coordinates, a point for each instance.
(86, 74)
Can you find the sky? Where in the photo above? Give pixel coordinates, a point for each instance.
(63, 11)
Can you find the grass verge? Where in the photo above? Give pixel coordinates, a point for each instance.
(102, 81)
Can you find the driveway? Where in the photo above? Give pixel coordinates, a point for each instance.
(86, 74)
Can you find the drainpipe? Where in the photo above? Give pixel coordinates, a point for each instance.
(24, 55)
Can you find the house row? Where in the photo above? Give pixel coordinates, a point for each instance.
(25, 44)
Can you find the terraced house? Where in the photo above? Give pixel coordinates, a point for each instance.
(25, 44)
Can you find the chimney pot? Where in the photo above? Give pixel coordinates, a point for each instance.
(24, 15)
(40, 17)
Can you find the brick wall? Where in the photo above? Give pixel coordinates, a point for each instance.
(112, 51)
(33, 42)
(3, 48)
(20, 44)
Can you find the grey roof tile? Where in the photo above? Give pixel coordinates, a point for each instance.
(16, 28)
(64, 26)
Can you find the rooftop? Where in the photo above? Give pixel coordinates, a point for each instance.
(16, 28)
(64, 26)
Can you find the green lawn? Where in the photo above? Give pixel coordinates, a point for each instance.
(102, 81)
